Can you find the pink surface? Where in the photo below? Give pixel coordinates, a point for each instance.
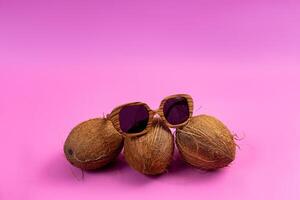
(63, 62)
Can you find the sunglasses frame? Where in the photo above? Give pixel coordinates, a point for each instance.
(114, 115)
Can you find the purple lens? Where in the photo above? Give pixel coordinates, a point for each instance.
(176, 110)
(133, 119)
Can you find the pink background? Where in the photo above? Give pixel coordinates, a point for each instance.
(65, 61)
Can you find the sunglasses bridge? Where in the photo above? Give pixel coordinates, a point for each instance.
(156, 113)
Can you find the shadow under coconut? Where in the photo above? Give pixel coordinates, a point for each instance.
(179, 171)
(59, 170)
(187, 174)
(120, 170)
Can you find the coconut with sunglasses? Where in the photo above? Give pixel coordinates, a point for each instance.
(151, 153)
(149, 144)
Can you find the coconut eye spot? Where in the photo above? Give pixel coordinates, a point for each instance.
(70, 152)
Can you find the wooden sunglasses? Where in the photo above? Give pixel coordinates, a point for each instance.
(133, 119)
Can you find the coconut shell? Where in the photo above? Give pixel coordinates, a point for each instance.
(151, 153)
(206, 143)
(93, 144)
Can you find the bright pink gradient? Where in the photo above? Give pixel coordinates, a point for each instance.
(63, 62)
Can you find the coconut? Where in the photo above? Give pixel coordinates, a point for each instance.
(151, 153)
(93, 144)
(206, 143)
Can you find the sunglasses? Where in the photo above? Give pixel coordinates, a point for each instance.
(133, 119)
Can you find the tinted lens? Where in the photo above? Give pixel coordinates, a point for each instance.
(176, 110)
(133, 119)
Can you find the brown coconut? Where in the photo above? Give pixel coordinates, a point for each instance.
(206, 143)
(93, 144)
(151, 153)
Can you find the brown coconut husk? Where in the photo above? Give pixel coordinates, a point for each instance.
(93, 144)
(151, 153)
(206, 143)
